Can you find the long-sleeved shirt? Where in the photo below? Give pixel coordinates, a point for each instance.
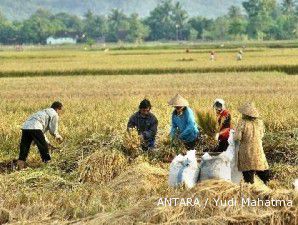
(146, 125)
(44, 120)
(224, 122)
(186, 125)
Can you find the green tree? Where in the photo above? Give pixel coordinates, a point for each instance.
(95, 27)
(237, 25)
(161, 23)
(289, 6)
(219, 29)
(71, 23)
(200, 24)
(118, 26)
(260, 17)
(167, 21)
(39, 27)
(137, 30)
(8, 32)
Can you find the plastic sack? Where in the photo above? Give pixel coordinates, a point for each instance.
(217, 167)
(184, 169)
(232, 154)
(223, 166)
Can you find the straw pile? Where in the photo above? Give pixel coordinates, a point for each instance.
(148, 211)
(142, 177)
(102, 166)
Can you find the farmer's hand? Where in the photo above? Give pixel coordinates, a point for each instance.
(59, 139)
(216, 136)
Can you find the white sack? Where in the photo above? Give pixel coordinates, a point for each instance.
(232, 154)
(184, 169)
(223, 166)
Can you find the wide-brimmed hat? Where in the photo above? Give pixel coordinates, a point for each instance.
(249, 109)
(178, 100)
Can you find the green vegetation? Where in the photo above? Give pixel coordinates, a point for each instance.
(262, 20)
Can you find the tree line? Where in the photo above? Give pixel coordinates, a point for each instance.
(256, 19)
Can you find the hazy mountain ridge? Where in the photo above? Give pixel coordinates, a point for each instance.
(20, 9)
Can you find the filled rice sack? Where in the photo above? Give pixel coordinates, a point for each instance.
(184, 170)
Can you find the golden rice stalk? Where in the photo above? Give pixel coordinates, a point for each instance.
(132, 143)
(102, 166)
(208, 123)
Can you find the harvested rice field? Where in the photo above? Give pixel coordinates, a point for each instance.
(98, 175)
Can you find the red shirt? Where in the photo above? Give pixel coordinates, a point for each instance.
(224, 122)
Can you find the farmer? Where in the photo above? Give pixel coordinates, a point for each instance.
(34, 130)
(146, 124)
(212, 56)
(184, 126)
(224, 123)
(239, 55)
(251, 156)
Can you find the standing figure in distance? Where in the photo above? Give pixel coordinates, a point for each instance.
(239, 55)
(212, 56)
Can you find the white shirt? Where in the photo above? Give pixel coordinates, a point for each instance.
(45, 120)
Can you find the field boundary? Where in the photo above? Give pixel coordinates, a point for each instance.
(288, 69)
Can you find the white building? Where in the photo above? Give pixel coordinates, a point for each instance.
(60, 40)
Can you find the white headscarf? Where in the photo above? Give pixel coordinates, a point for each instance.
(221, 101)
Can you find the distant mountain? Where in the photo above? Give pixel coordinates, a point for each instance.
(20, 9)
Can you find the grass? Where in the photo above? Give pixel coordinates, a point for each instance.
(93, 175)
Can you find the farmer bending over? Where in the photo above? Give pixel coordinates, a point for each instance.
(34, 129)
(184, 126)
(224, 123)
(146, 124)
(251, 156)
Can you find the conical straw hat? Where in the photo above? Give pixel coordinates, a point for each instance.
(178, 100)
(249, 109)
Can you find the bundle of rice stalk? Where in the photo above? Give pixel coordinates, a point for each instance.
(102, 166)
(140, 176)
(208, 123)
(132, 143)
(210, 202)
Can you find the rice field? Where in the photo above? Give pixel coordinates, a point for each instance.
(92, 179)
(81, 62)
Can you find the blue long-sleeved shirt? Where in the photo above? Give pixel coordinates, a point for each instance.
(186, 125)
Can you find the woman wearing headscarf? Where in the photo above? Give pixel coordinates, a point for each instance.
(184, 126)
(224, 124)
(251, 157)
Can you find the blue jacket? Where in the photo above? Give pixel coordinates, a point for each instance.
(186, 125)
